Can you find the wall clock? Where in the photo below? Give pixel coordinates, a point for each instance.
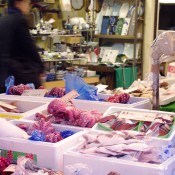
(77, 4)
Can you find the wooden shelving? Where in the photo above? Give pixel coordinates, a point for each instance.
(61, 83)
(116, 37)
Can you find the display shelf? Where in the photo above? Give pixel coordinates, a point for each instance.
(59, 60)
(116, 37)
(133, 38)
(54, 35)
(40, 35)
(61, 83)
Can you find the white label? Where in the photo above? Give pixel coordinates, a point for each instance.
(35, 92)
(141, 116)
(110, 56)
(69, 96)
(102, 51)
(6, 105)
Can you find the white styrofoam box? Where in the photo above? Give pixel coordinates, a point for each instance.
(103, 166)
(29, 98)
(163, 141)
(80, 104)
(26, 107)
(88, 105)
(49, 155)
(165, 99)
(57, 126)
(134, 102)
(44, 111)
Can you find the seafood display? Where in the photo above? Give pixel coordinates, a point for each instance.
(56, 92)
(160, 126)
(143, 89)
(4, 162)
(127, 145)
(61, 113)
(119, 98)
(43, 131)
(18, 89)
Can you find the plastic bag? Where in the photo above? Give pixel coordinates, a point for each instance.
(26, 166)
(163, 48)
(77, 169)
(10, 81)
(87, 92)
(37, 135)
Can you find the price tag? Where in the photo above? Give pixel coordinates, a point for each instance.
(141, 116)
(10, 168)
(34, 92)
(69, 96)
(6, 105)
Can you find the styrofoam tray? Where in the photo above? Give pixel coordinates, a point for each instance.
(29, 98)
(49, 155)
(80, 104)
(169, 80)
(103, 166)
(163, 141)
(26, 107)
(31, 117)
(134, 102)
(166, 99)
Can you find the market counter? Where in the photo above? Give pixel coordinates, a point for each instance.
(115, 77)
(61, 83)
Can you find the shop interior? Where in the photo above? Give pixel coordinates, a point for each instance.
(107, 100)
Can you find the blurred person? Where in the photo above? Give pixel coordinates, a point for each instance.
(18, 54)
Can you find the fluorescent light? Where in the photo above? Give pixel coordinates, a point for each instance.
(166, 1)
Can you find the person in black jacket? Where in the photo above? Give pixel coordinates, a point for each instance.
(18, 54)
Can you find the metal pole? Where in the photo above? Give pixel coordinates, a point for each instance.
(155, 71)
